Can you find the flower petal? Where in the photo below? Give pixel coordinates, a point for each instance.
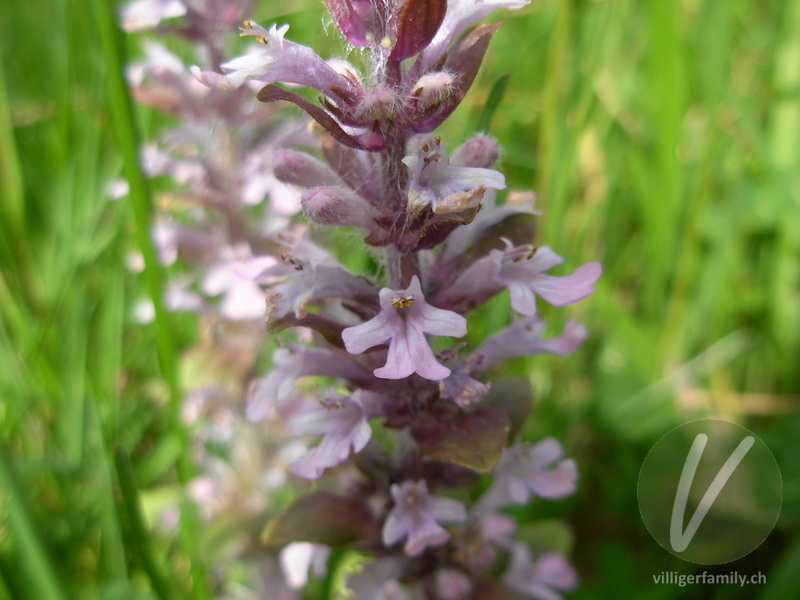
(375, 332)
(559, 291)
(556, 483)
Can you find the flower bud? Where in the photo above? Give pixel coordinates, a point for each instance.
(298, 168)
(432, 89)
(379, 105)
(337, 207)
(479, 152)
(354, 19)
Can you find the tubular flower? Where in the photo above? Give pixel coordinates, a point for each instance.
(446, 188)
(521, 269)
(416, 516)
(531, 470)
(342, 423)
(541, 579)
(403, 321)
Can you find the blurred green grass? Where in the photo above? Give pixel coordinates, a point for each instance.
(662, 138)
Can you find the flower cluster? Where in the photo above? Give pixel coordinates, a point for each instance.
(219, 213)
(407, 418)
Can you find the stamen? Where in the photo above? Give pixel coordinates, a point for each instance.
(403, 301)
(370, 36)
(528, 255)
(292, 261)
(386, 43)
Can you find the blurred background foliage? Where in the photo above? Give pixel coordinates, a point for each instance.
(661, 137)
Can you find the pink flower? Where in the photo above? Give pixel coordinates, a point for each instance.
(461, 14)
(524, 338)
(521, 269)
(542, 578)
(522, 272)
(277, 59)
(530, 470)
(342, 423)
(443, 186)
(235, 280)
(415, 516)
(403, 321)
(277, 388)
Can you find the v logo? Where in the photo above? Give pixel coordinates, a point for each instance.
(679, 539)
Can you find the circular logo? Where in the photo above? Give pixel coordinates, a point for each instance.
(710, 491)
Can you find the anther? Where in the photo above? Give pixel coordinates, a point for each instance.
(403, 301)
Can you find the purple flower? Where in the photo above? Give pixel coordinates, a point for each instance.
(527, 470)
(303, 170)
(339, 206)
(342, 423)
(444, 187)
(524, 338)
(541, 579)
(491, 214)
(522, 272)
(451, 584)
(305, 274)
(403, 321)
(460, 15)
(416, 515)
(276, 389)
(480, 151)
(259, 180)
(521, 269)
(282, 61)
(491, 533)
(460, 387)
(242, 298)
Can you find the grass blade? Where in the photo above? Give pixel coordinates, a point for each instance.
(493, 102)
(41, 577)
(141, 539)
